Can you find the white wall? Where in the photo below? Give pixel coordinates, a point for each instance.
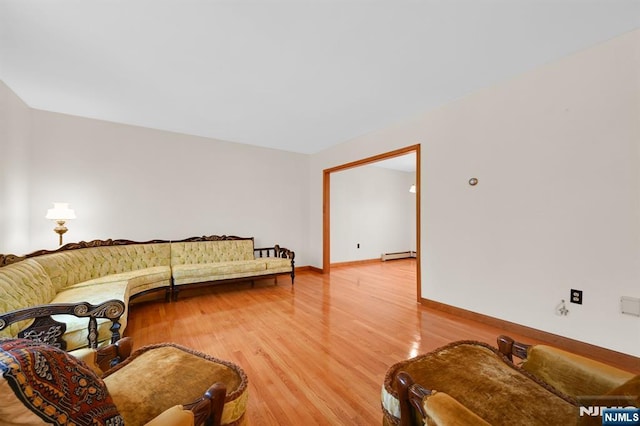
(137, 183)
(14, 179)
(371, 206)
(556, 152)
(557, 207)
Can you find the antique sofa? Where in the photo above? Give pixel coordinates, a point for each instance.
(472, 383)
(157, 385)
(101, 270)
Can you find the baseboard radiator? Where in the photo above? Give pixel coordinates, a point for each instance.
(398, 255)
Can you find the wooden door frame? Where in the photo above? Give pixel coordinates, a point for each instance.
(326, 200)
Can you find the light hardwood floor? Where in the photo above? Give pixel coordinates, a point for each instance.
(314, 353)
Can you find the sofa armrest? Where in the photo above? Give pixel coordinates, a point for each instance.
(275, 251)
(46, 330)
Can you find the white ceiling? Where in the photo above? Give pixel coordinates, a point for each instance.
(296, 75)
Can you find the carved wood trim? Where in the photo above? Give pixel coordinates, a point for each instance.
(46, 330)
(8, 259)
(212, 238)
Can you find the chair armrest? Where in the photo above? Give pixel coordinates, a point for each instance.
(572, 374)
(410, 396)
(45, 329)
(418, 404)
(509, 347)
(102, 359)
(174, 416)
(442, 409)
(113, 354)
(208, 409)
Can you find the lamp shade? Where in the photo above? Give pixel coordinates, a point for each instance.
(60, 211)
(412, 189)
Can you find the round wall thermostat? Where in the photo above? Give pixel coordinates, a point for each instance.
(473, 181)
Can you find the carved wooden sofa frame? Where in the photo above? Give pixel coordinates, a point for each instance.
(45, 329)
(262, 252)
(124, 270)
(259, 253)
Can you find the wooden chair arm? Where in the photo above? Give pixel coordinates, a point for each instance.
(110, 355)
(410, 396)
(208, 409)
(45, 329)
(509, 347)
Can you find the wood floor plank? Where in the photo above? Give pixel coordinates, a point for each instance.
(314, 353)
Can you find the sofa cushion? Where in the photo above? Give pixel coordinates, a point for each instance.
(77, 328)
(193, 273)
(277, 264)
(139, 280)
(71, 267)
(42, 384)
(157, 377)
(199, 252)
(23, 284)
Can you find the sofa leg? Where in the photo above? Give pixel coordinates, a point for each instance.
(175, 294)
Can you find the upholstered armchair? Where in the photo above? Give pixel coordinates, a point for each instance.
(157, 385)
(473, 383)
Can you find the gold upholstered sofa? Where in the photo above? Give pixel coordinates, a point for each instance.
(98, 271)
(473, 383)
(215, 259)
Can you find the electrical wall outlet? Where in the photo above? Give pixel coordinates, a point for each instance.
(576, 296)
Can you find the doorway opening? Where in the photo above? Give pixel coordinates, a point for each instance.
(326, 205)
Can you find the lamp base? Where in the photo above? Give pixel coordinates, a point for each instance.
(60, 229)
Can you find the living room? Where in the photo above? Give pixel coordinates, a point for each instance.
(557, 204)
